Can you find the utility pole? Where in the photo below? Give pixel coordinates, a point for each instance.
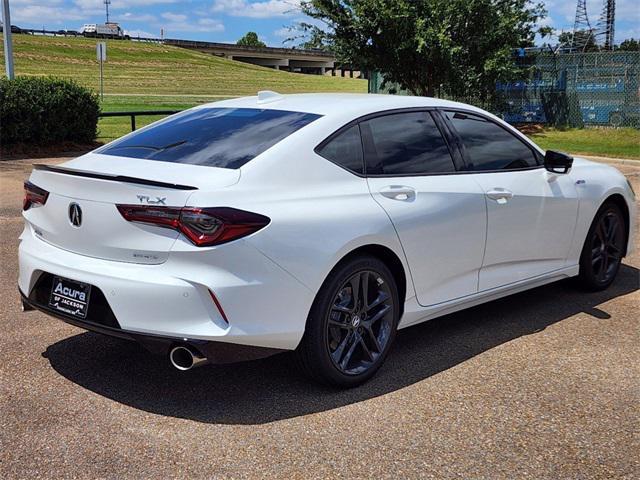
(8, 44)
(106, 6)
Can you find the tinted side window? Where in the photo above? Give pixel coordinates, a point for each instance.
(345, 149)
(215, 137)
(490, 147)
(407, 143)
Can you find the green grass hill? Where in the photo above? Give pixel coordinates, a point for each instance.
(149, 76)
(148, 68)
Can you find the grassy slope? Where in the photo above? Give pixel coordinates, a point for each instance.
(145, 68)
(617, 143)
(141, 76)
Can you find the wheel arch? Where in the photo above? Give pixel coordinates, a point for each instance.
(390, 259)
(618, 200)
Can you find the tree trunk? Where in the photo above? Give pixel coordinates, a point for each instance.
(423, 89)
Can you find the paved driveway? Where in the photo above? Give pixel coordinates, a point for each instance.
(544, 384)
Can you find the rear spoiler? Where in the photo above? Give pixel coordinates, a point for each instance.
(114, 178)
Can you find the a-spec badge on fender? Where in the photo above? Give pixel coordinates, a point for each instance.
(150, 201)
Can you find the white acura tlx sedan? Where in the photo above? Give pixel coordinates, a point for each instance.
(316, 223)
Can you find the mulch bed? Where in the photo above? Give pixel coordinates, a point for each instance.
(64, 149)
(530, 128)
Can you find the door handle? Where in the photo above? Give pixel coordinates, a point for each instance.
(500, 195)
(398, 192)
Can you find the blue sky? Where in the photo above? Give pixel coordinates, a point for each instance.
(228, 20)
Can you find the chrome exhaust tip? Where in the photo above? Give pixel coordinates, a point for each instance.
(184, 358)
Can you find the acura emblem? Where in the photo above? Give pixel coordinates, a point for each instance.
(75, 214)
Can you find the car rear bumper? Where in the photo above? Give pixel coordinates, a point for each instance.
(215, 352)
(173, 300)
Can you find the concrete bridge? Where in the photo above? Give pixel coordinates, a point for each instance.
(290, 59)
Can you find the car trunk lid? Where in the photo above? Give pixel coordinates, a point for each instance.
(95, 184)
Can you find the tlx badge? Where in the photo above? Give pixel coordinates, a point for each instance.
(150, 201)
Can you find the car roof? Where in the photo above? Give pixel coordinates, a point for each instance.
(352, 104)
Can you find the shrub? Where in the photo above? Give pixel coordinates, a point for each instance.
(43, 111)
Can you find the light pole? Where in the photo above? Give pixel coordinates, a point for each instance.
(6, 34)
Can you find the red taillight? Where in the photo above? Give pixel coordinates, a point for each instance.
(203, 226)
(33, 196)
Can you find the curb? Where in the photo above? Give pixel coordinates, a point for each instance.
(618, 161)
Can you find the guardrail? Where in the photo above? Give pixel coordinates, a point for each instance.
(176, 42)
(137, 113)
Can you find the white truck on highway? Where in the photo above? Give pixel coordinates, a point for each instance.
(103, 30)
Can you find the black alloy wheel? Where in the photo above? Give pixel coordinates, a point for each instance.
(360, 322)
(352, 323)
(603, 249)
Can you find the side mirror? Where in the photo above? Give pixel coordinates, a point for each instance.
(557, 162)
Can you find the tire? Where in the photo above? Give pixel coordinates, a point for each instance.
(341, 324)
(603, 248)
(616, 119)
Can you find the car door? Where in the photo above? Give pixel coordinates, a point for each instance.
(440, 216)
(531, 212)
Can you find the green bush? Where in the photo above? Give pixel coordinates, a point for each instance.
(44, 111)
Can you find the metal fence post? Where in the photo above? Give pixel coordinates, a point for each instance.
(8, 44)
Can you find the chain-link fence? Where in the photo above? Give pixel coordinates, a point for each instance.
(562, 89)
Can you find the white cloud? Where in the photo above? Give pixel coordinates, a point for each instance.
(283, 32)
(546, 22)
(145, 3)
(624, 34)
(174, 17)
(628, 11)
(565, 11)
(128, 4)
(184, 25)
(261, 9)
(134, 17)
(212, 23)
(562, 15)
(17, 3)
(38, 14)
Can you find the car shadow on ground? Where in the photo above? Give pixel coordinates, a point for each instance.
(272, 389)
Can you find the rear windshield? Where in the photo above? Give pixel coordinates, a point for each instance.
(216, 137)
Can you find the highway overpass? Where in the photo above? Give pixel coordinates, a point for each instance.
(290, 59)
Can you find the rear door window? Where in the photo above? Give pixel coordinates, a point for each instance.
(345, 149)
(489, 146)
(407, 144)
(216, 137)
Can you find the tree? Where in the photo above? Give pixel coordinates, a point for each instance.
(251, 40)
(461, 47)
(630, 45)
(308, 36)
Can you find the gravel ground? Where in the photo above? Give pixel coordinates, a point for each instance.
(543, 384)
